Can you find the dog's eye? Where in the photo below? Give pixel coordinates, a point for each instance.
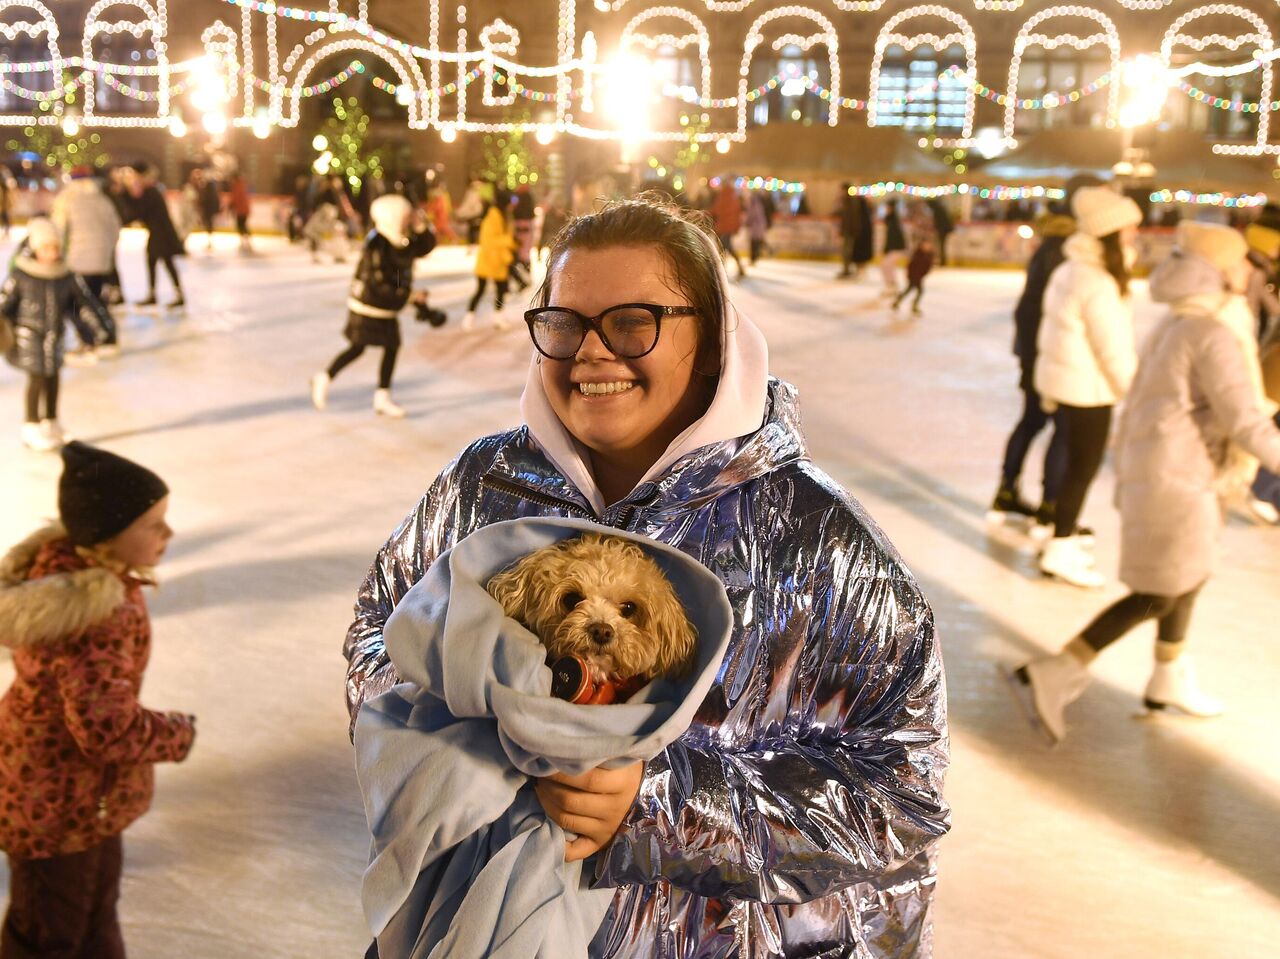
(627, 610)
(570, 600)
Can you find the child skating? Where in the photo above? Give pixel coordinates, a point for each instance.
(39, 298)
(76, 746)
(380, 290)
(918, 268)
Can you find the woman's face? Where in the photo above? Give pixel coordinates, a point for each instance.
(658, 395)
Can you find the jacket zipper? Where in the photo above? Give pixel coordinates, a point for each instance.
(533, 496)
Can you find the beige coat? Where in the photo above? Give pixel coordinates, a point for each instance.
(1193, 396)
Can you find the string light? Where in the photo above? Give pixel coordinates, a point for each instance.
(827, 38)
(409, 72)
(887, 187)
(1244, 200)
(700, 36)
(155, 23)
(1261, 36)
(965, 37)
(1109, 38)
(498, 38)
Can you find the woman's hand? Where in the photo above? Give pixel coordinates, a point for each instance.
(591, 806)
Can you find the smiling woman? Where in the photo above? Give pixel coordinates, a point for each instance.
(798, 814)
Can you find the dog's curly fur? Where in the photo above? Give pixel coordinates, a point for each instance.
(602, 599)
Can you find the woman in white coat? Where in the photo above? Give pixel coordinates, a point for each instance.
(1086, 361)
(1195, 428)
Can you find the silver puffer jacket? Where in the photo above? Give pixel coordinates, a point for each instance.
(797, 816)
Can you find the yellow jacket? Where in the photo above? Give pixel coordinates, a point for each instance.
(497, 246)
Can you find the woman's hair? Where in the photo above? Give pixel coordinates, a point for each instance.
(1114, 263)
(683, 236)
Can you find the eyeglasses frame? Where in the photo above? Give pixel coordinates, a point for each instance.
(590, 323)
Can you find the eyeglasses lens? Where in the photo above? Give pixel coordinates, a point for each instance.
(631, 332)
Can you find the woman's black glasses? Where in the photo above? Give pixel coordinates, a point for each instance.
(629, 330)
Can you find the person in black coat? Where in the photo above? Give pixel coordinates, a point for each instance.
(382, 286)
(37, 300)
(942, 226)
(856, 233)
(163, 242)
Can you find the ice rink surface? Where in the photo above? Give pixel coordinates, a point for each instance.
(1135, 838)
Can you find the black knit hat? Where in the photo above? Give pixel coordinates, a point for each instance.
(100, 494)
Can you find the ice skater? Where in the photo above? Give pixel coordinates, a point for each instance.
(240, 204)
(918, 268)
(895, 249)
(726, 211)
(494, 257)
(163, 242)
(76, 746)
(1086, 357)
(380, 290)
(39, 298)
(89, 224)
(1196, 424)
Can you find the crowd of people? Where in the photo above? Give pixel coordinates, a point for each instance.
(649, 407)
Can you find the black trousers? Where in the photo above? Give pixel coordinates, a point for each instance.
(170, 267)
(1084, 432)
(65, 907)
(1172, 613)
(499, 293)
(42, 397)
(242, 225)
(348, 356)
(1034, 419)
(97, 284)
(918, 287)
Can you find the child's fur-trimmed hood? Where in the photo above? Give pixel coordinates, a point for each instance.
(38, 611)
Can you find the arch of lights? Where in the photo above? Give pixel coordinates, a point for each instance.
(964, 36)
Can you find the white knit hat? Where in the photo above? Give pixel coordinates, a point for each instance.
(1100, 211)
(1222, 246)
(42, 232)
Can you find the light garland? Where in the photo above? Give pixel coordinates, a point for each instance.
(887, 37)
(1261, 36)
(768, 184)
(498, 38)
(888, 187)
(409, 72)
(1026, 38)
(827, 38)
(700, 36)
(48, 26)
(155, 23)
(1244, 200)
(1222, 103)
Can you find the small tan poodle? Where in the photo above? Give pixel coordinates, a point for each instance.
(607, 614)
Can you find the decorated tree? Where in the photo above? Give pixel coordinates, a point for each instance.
(342, 145)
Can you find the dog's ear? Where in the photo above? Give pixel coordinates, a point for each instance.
(676, 638)
(523, 590)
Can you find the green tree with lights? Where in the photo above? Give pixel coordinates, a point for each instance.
(508, 161)
(342, 145)
(63, 145)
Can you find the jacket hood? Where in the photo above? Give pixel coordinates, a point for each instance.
(1083, 248)
(38, 611)
(1181, 276)
(42, 271)
(738, 408)
(388, 213)
(1056, 225)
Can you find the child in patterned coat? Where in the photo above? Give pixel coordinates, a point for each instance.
(76, 746)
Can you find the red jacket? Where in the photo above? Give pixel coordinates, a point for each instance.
(238, 201)
(76, 748)
(727, 211)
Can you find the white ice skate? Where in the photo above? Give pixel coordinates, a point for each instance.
(383, 405)
(54, 433)
(34, 438)
(320, 389)
(1045, 687)
(1172, 688)
(1066, 558)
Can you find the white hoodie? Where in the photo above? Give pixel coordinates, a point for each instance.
(738, 408)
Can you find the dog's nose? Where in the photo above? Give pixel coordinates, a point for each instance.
(601, 633)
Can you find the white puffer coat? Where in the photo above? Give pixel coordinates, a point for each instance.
(1087, 353)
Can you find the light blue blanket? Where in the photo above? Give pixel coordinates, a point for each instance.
(464, 863)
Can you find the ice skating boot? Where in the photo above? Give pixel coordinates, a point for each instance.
(34, 438)
(1045, 687)
(1173, 687)
(383, 405)
(1065, 558)
(1009, 507)
(320, 389)
(468, 321)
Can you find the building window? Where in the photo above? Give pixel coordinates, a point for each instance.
(1061, 71)
(674, 67)
(791, 101)
(933, 107)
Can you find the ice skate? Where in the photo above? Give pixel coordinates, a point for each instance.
(54, 433)
(1065, 558)
(1173, 689)
(1044, 688)
(320, 389)
(383, 405)
(34, 438)
(1010, 509)
(1260, 511)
